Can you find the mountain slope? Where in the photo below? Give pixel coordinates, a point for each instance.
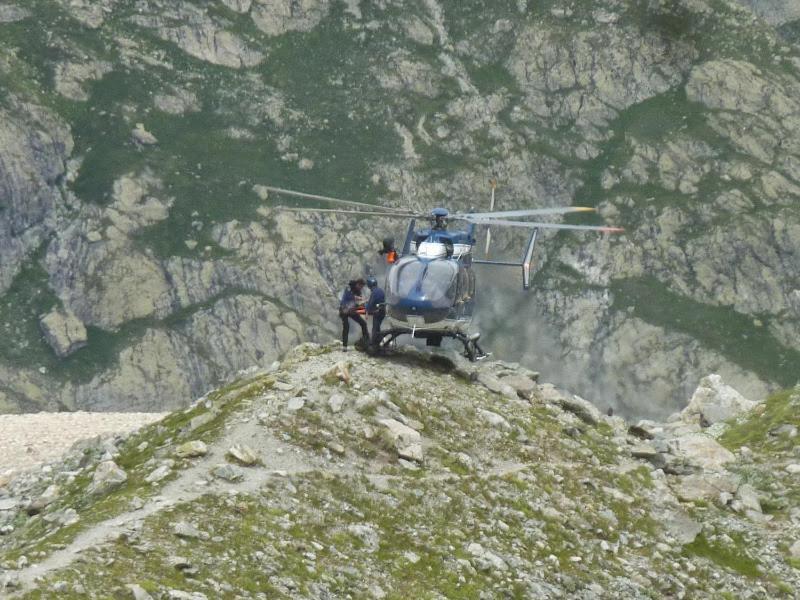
(409, 479)
(135, 135)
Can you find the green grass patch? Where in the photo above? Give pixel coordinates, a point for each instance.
(34, 535)
(734, 558)
(782, 408)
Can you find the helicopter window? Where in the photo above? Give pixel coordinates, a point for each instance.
(405, 276)
(434, 281)
(440, 281)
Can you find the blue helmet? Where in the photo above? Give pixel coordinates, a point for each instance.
(372, 282)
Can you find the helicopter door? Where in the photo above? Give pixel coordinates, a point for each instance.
(461, 290)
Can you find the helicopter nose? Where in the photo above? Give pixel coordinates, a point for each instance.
(410, 307)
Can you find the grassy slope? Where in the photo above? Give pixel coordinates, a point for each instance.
(305, 529)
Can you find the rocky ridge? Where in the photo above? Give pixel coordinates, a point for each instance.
(420, 475)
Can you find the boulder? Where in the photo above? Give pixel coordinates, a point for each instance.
(43, 501)
(714, 401)
(644, 451)
(702, 450)
(243, 455)
(336, 403)
(340, 372)
(524, 386)
(143, 137)
(407, 441)
(227, 473)
(485, 560)
(193, 449)
(708, 486)
(747, 498)
(138, 592)
(496, 385)
(179, 102)
(682, 528)
(186, 530)
(158, 474)
(295, 404)
(412, 452)
(495, 420)
(8, 504)
(107, 477)
(64, 332)
(583, 409)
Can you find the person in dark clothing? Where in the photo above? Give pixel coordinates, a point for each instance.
(376, 307)
(351, 306)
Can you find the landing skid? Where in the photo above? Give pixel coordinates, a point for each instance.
(472, 349)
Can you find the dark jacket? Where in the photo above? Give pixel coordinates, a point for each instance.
(349, 302)
(377, 302)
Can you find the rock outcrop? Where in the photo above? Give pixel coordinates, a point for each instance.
(10, 13)
(714, 401)
(35, 146)
(64, 332)
(774, 12)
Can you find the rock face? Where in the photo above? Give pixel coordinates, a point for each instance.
(677, 120)
(774, 12)
(64, 332)
(35, 145)
(275, 17)
(199, 35)
(10, 13)
(73, 77)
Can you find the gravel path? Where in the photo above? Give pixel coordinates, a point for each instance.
(31, 439)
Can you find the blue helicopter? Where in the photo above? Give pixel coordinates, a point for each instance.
(430, 283)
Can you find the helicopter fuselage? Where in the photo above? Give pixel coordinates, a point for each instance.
(430, 289)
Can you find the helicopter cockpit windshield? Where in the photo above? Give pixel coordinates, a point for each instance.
(433, 283)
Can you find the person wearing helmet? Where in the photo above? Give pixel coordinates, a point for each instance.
(376, 308)
(351, 306)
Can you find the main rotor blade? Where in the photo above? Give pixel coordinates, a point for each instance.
(562, 210)
(286, 192)
(341, 211)
(530, 225)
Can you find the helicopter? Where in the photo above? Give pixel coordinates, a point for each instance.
(430, 281)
